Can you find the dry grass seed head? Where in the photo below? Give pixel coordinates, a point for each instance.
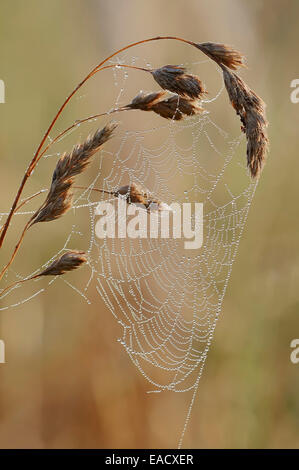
(251, 110)
(67, 262)
(174, 79)
(133, 193)
(222, 54)
(136, 194)
(177, 107)
(59, 198)
(145, 101)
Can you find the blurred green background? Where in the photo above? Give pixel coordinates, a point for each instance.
(67, 382)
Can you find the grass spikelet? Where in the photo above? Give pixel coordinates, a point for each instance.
(145, 101)
(69, 261)
(68, 166)
(251, 110)
(135, 194)
(177, 108)
(174, 79)
(222, 54)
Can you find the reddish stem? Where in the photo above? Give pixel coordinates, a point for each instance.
(15, 250)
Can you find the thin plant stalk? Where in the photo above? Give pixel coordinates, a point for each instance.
(13, 285)
(17, 247)
(29, 198)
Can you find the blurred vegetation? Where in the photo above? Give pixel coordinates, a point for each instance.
(67, 382)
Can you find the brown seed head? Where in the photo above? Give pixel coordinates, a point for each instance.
(135, 194)
(251, 110)
(174, 79)
(59, 198)
(67, 262)
(145, 101)
(222, 54)
(177, 107)
(71, 164)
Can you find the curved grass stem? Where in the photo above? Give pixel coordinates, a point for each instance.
(17, 247)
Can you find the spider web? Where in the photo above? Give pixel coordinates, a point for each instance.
(167, 299)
